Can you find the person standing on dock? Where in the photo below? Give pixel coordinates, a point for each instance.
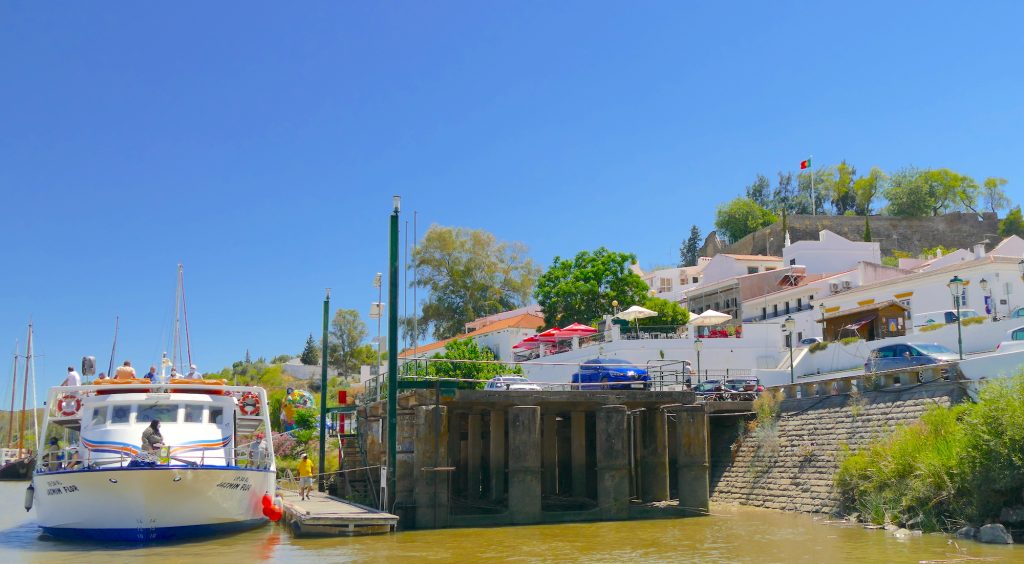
(305, 476)
(73, 378)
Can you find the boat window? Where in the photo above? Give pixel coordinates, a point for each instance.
(99, 416)
(193, 413)
(165, 413)
(120, 413)
(217, 415)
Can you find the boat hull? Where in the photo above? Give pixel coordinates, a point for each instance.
(18, 470)
(150, 504)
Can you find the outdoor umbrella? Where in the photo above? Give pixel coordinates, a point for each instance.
(709, 318)
(547, 336)
(575, 330)
(527, 343)
(634, 313)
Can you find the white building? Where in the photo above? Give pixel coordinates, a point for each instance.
(672, 283)
(831, 253)
(725, 266)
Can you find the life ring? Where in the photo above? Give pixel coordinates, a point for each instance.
(249, 405)
(68, 405)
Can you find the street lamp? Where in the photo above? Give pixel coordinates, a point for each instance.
(698, 345)
(377, 312)
(821, 307)
(1020, 267)
(956, 287)
(991, 302)
(789, 325)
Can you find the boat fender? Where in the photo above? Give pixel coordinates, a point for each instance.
(249, 405)
(68, 405)
(30, 494)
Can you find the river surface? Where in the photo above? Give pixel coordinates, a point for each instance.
(732, 534)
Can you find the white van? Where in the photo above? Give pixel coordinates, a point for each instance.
(945, 316)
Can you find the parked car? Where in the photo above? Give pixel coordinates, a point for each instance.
(1013, 341)
(809, 341)
(945, 316)
(745, 388)
(712, 390)
(1018, 312)
(511, 382)
(611, 374)
(891, 357)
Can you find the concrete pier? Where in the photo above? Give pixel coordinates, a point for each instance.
(550, 454)
(612, 462)
(497, 455)
(654, 455)
(429, 462)
(579, 453)
(474, 450)
(524, 465)
(692, 430)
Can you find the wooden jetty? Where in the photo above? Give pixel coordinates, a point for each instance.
(323, 515)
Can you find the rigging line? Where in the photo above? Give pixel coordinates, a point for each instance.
(184, 309)
(35, 402)
(113, 348)
(14, 389)
(24, 393)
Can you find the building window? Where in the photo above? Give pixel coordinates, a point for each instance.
(764, 313)
(792, 262)
(664, 285)
(787, 307)
(694, 279)
(775, 310)
(767, 268)
(906, 304)
(751, 270)
(718, 306)
(799, 303)
(810, 298)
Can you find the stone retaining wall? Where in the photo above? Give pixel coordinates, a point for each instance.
(792, 468)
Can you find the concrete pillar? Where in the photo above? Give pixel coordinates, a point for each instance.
(612, 462)
(524, 469)
(431, 486)
(654, 455)
(579, 454)
(474, 455)
(405, 477)
(550, 453)
(692, 422)
(497, 455)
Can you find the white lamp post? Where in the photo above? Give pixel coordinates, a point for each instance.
(698, 345)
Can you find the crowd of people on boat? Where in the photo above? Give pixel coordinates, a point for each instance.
(127, 372)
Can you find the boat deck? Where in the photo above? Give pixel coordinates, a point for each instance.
(323, 515)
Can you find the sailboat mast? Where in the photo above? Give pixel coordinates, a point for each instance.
(184, 311)
(24, 394)
(176, 343)
(14, 389)
(113, 348)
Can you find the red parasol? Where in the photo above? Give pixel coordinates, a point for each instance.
(548, 336)
(575, 330)
(527, 343)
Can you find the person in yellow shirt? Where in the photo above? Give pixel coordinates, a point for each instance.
(305, 477)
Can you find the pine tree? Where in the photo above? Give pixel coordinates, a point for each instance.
(311, 354)
(867, 230)
(1012, 224)
(689, 251)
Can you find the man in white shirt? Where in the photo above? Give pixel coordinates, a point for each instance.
(73, 378)
(193, 374)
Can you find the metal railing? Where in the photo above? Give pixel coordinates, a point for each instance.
(71, 458)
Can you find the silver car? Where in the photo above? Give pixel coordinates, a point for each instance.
(511, 382)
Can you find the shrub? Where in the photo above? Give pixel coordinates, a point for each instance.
(767, 406)
(815, 347)
(849, 340)
(931, 327)
(973, 320)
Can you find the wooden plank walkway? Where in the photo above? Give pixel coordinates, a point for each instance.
(323, 515)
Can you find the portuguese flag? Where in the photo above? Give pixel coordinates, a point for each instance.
(805, 164)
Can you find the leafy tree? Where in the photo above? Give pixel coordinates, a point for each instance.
(867, 230)
(783, 195)
(916, 193)
(906, 196)
(760, 191)
(867, 188)
(844, 197)
(281, 359)
(469, 273)
(311, 353)
(582, 289)
(993, 196)
(690, 250)
(1012, 224)
(741, 217)
(347, 334)
(669, 313)
(467, 349)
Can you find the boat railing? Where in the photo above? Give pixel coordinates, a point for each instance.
(71, 459)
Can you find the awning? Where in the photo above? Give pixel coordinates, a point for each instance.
(859, 323)
(862, 309)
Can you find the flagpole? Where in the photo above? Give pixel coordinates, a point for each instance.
(810, 167)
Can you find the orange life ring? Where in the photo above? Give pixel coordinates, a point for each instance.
(249, 405)
(68, 405)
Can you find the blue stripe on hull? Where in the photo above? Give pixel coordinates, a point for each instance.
(155, 534)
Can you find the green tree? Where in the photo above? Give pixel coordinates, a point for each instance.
(347, 334)
(1012, 224)
(867, 188)
(582, 289)
(993, 196)
(281, 359)
(867, 230)
(311, 353)
(469, 273)
(917, 193)
(843, 194)
(760, 191)
(690, 250)
(741, 217)
(669, 313)
(467, 349)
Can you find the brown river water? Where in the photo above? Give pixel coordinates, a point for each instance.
(731, 534)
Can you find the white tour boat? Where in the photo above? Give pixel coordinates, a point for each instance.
(216, 473)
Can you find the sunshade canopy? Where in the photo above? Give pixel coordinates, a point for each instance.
(636, 312)
(709, 318)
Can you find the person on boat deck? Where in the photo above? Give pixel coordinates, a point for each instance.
(152, 440)
(52, 455)
(193, 374)
(125, 371)
(305, 476)
(151, 375)
(257, 451)
(102, 376)
(174, 373)
(73, 378)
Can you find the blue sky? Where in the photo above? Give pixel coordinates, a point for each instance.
(259, 144)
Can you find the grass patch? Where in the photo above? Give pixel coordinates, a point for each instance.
(956, 465)
(849, 340)
(932, 327)
(978, 320)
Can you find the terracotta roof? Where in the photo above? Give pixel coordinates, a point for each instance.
(753, 257)
(524, 321)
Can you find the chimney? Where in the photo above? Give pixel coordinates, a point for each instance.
(979, 251)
